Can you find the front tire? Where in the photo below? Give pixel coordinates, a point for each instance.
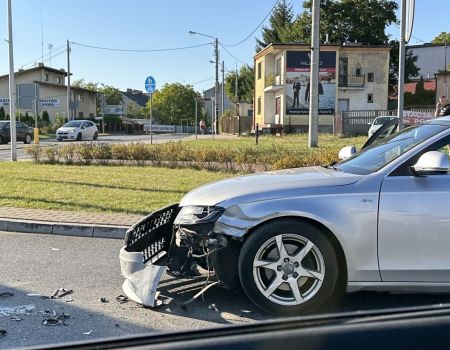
(95, 136)
(27, 139)
(79, 136)
(289, 267)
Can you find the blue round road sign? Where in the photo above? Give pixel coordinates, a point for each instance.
(150, 84)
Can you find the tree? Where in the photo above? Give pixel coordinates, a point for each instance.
(281, 18)
(362, 21)
(420, 97)
(246, 81)
(113, 96)
(411, 70)
(173, 103)
(2, 113)
(137, 111)
(442, 38)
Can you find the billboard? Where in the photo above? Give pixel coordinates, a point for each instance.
(113, 109)
(50, 102)
(298, 77)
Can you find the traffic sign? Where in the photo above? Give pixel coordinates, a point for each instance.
(150, 84)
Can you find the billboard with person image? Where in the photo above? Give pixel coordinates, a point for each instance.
(298, 82)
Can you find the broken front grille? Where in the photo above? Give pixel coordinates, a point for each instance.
(153, 234)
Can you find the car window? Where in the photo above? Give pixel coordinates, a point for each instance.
(73, 124)
(378, 155)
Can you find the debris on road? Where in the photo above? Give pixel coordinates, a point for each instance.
(48, 312)
(55, 249)
(213, 307)
(122, 299)
(69, 300)
(51, 322)
(88, 333)
(2, 332)
(103, 300)
(61, 292)
(16, 310)
(6, 294)
(15, 318)
(34, 295)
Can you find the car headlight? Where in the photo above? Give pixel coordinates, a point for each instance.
(191, 215)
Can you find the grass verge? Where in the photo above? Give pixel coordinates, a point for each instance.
(107, 189)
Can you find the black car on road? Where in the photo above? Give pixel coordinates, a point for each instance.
(24, 132)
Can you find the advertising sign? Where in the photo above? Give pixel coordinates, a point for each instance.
(113, 109)
(4, 101)
(298, 82)
(417, 117)
(50, 102)
(159, 128)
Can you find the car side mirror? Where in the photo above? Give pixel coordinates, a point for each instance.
(347, 152)
(431, 163)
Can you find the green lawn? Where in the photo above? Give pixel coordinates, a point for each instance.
(108, 189)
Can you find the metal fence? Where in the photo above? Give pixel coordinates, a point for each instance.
(356, 123)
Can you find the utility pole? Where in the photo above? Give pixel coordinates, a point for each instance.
(151, 118)
(12, 87)
(216, 89)
(196, 118)
(236, 87)
(223, 87)
(68, 82)
(313, 137)
(401, 65)
(50, 48)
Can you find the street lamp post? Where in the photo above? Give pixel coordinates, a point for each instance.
(216, 85)
(12, 87)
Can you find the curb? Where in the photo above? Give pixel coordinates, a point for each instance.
(63, 229)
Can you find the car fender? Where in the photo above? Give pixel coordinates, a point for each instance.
(351, 218)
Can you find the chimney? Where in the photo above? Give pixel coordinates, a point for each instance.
(40, 64)
(21, 70)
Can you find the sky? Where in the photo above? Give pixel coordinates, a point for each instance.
(152, 24)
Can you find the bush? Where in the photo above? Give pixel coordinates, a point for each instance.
(102, 153)
(35, 152)
(84, 152)
(68, 153)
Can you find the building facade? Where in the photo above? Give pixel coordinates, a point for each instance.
(431, 58)
(351, 77)
(51, 93)
(133, 99)
(443, 84)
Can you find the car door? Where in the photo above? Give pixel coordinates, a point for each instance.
(20, 131)
(84, 130)
(91, 129)
(414, 224)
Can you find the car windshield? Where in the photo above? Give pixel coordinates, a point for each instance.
(381, 153)
(382, 120)
(73, 124)
(3, 124)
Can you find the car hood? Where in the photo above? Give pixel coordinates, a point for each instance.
(267, 185)
(66, 129)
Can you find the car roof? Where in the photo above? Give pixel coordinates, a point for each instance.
(441, 121)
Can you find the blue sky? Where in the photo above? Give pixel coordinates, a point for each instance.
(151, 24)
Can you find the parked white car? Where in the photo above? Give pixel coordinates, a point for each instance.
(378, 122)
(77, 130)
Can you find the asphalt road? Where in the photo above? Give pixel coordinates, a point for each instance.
(5, 150)
(32, 263)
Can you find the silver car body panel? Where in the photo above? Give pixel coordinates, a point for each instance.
(346, 204)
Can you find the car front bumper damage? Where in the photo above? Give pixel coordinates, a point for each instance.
(155, 245)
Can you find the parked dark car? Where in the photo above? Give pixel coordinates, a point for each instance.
(24, 132)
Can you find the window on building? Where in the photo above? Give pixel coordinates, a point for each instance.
(80, 97)
(46, 77)
(358, 72)
(58, 80)
(258, 107)
(370, 98)
(278, 68)
(278, 106)
(259, 70)
(370, 77)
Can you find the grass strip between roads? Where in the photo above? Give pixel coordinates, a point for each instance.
(107, 189)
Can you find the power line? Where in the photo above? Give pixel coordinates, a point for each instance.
(412, 36)
(202, 81)
(139, 50)
(237, 59)
(47, 54)
(259, 25)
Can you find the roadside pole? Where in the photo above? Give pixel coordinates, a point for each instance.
(195, 125)
(36, 109)
(12, 88)
(216, 86)
(401, 65)
(314, 78)
(68, 81)
(103, 114)
(151, 118)
(223, 88)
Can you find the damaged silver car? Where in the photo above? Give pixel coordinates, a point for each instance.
(295, 239)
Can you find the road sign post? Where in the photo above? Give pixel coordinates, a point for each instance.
(150, 85)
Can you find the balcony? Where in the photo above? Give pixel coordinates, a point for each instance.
(273, 83)
(352, 81)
